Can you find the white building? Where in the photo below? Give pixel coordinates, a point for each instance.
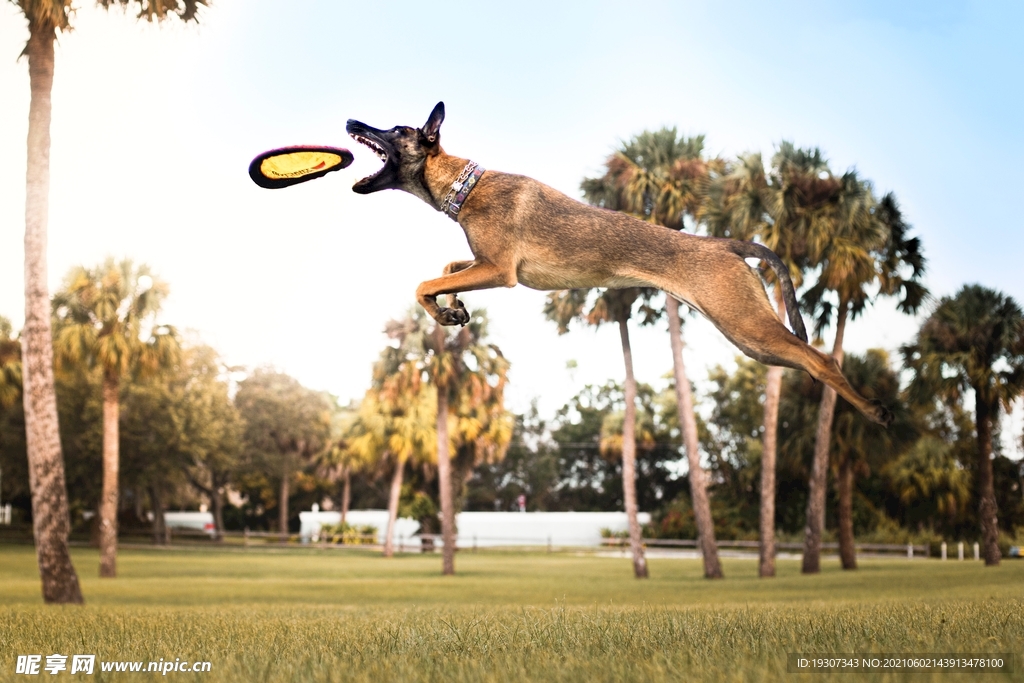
(485, 529)
(201, 521)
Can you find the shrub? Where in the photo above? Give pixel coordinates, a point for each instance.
(348, 534)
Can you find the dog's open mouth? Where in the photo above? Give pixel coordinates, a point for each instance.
(377, 149)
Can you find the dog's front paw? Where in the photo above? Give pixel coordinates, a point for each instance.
(453, 316)
(881, 414)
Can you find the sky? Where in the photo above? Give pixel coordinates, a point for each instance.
(154, 126)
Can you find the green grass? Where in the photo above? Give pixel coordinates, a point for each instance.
(299, 615)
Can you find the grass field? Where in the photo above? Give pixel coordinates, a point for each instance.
(297, 615)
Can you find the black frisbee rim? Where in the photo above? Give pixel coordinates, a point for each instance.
(277, 183)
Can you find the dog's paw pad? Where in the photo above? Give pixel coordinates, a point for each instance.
(883, 415)
(453, 316)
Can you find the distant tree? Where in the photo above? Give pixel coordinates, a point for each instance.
(663, 178)
(210, 425)
(586, 435)
(11, 418)
(10, 365)
(865, 252)
(1008, 483)
(394, 428)
(860, 447)
(80, 406)
(106, 318)
(341, 459)
(780, 208)
(929, 484)
(529, 469)
(286, 425)
(733, 441)
(613, 305)
(587, 480)
(151, 435)
(49, 491)
(482, 427)
(973, 341)
(660, 177)
(468, 376)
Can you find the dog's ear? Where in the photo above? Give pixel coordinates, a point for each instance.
(432, 128)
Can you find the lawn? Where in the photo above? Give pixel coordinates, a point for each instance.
(298, 615)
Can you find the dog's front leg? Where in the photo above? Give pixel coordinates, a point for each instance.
(476, 275)
(456, 267)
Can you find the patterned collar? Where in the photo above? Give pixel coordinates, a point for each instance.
(463, 185)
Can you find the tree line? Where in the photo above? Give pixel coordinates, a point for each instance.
(843, 244)
(845, 248)
(151, 417)
(164, 422)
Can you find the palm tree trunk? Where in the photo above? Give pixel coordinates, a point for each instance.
(629, 458)
(346, 493)
(769, 458)
(444, 482)
(282, 505)
(688, 424)
(217, 502)
(395, 494)
(50, 519)
(156, 502)
(444, 467)
(819, 467)
(108, 497)
(847, 551)
(987, 509)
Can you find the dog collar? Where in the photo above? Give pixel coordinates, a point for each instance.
(463, 185)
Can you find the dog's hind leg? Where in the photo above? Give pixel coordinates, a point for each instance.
(759, 333)
(734, 300)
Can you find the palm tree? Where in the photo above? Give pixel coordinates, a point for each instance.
(481, 426)
(397, 418)
(51, 523)
(10, 365)
(101, 316)
(395, 428)
(929, 481)
(342, 458)
(779, 208)
(613, 305)
(859, 446)
(471, 416)
(468, 377)
(862, 245)
(974, 340)
(662, 177)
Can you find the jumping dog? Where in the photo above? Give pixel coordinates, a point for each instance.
(523, 232)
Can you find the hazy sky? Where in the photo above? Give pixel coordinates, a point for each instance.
(153, 128)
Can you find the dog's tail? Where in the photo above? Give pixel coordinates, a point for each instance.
(759, 251)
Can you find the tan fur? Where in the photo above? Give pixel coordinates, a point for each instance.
(523, 232)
